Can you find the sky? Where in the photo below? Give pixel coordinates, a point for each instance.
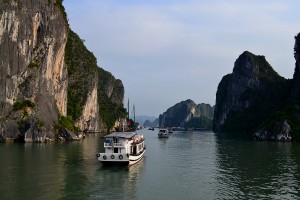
(168, 51)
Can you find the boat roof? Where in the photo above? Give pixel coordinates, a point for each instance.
(126, 135)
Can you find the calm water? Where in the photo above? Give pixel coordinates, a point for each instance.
(190, 165)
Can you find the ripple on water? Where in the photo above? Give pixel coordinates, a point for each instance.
(190, 165)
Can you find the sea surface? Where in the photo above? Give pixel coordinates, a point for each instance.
(187, 165)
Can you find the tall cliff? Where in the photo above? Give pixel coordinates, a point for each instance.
(82, 84)
(48, 79)
(284, 125)
(95, 96)
(33, 75)
(183, 112)
(248, 95)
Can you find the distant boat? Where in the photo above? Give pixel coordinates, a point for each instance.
(151, 129)
(163, 133)
(122, 148)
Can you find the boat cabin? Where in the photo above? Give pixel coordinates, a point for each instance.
(126, 148)
(124, 143)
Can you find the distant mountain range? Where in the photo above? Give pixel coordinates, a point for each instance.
(142, 118)
(149, 123)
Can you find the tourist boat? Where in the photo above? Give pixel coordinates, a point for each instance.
(163, 133)
(122, 148)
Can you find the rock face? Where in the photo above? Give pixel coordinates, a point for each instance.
(281, 132)
(248, 95)
(181, 113)
(46, 72)
(32, 63)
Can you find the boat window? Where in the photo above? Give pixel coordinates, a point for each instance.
(134, 150)
(116, 150)
(116, 140)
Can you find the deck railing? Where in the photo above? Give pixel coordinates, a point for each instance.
(113, 144)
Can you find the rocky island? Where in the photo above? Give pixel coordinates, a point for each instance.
(255, 100)
(50, 85)
(187, 114)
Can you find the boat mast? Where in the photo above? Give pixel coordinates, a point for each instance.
(134, 114)
(128, 108)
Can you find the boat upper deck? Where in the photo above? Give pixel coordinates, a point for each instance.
(126, 135)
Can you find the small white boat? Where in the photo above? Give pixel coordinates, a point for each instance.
(163, 133)
(122, 148)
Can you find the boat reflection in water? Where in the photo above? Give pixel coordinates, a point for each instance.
(117, 182)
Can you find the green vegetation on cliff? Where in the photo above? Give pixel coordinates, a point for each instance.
(199, 122)
(290, 114)
(263, 104)
(110, 104)
(82, 69)
(23, 104)
(66, 122)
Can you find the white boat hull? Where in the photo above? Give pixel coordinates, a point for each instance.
(119, 159)
(135, 159)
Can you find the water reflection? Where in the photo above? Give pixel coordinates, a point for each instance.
(249, 169)
(162, 143)
(48, 171)
(117, 182)
(74, 176)
(26, 174)
(135, 171)
(191, 165)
